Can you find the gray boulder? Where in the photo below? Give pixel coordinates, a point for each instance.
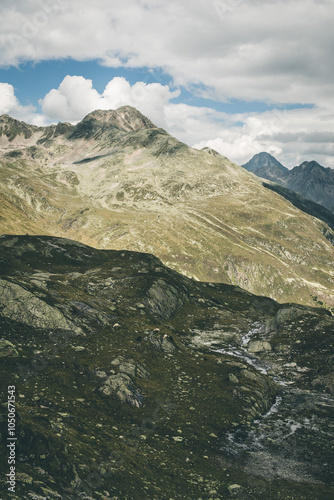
(122, 386)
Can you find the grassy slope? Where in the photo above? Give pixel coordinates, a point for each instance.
(198, 212)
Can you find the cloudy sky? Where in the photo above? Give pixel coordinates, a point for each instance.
(241, 76)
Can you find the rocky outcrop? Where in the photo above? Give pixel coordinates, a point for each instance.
(19, 304)
(164, 299)
(259, 346)
(131, 369)
(163, 343)
(122, 386)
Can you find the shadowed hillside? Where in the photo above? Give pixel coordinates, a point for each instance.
(133, 381)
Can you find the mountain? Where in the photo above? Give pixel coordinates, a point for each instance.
(266, 166)
(314, 182)
(116, 181)
(310, 180)
(132, 381)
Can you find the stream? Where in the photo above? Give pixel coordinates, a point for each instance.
(293, 439)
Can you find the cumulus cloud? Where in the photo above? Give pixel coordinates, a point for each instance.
(76, 97)
(277, 51)
(8, 101)
(10, 105)
(292, 136)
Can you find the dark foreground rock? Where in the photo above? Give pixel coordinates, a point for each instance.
(133, 381)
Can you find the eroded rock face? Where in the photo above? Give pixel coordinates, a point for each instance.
(287, 313)
(163, 343)
(121, 384)
(133, 370)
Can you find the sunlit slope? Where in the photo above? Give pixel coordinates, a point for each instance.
(116, 181)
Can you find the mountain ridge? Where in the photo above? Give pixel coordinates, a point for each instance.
(309, 179)
(142, 189)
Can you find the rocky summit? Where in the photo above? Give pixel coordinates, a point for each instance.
(116, 181)
(133, 381)
(310, 180)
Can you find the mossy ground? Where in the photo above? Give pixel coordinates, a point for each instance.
(78, 443)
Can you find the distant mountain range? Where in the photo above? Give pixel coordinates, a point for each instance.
(310, 180)
(116, 181)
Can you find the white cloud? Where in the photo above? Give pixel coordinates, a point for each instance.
(292, 136)
(8, 101)
(278, 51)
(10, 105)
(76, 97)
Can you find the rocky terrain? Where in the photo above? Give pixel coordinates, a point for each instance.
(133, 381)
(266, 166)
(116, 181)
(310, 180)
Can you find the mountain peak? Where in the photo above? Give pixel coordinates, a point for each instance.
(265, 165)
(311, 165)
(211, 151)
(264, 159)
(310, 180)
(126, 118)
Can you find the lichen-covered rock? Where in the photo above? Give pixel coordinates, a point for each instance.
(122, 386)
(233, 379)
(79, 348)
(164, 299)
(133, 370)
(251, 375)
(7, 349)
(162, 342)
(288, 313)
(18, 304)
(130, 368)
(259, 346)
(234, 490)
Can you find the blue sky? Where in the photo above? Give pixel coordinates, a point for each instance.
(33, 80)
(240, 76)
